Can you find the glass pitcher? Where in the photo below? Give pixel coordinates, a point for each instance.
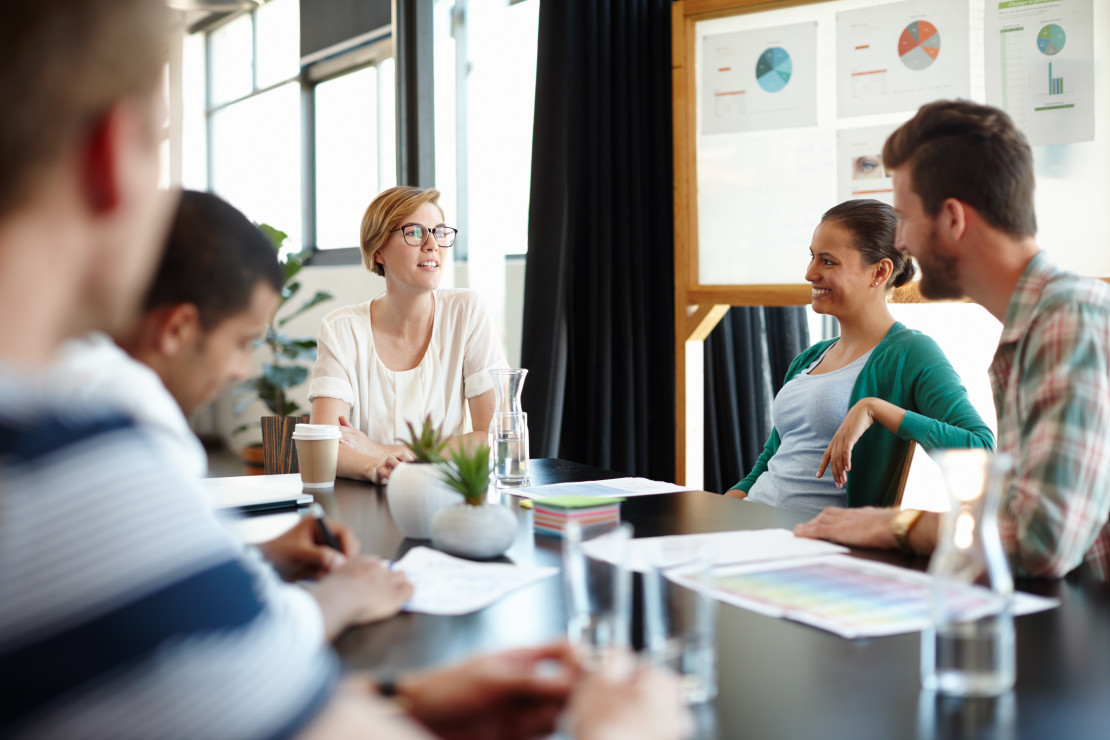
(508, 430)
(969, 649)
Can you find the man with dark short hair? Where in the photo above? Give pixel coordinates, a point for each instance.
(211, 299)
(963, 190)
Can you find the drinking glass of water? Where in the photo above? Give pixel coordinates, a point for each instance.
(508, 442)
(680, 615)
(598, 589)
(969, 649)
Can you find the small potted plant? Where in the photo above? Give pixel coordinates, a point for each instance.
(416, 491)
(473, 528)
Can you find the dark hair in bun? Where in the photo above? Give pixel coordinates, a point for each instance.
(873, 225)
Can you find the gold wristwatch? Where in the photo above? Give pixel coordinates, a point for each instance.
(901, 525)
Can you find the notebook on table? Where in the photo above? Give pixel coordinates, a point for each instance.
(255, 492)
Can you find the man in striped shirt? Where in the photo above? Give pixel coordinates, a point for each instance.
(125, 609)
(963, 189)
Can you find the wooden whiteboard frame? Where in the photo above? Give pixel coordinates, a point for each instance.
(698, 308)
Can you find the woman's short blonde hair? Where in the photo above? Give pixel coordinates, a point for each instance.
(385, 213)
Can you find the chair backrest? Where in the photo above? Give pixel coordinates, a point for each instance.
(278, 450)
(904, 475)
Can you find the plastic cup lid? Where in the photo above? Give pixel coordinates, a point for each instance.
(316, 431)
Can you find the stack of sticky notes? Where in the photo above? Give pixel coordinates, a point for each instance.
(552, 515)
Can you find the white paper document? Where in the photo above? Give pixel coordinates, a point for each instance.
(849, 596)
(447, 585)
(897, 57)
(1041, 67)
(759, 79)
(744, 546)
(255, 492)
(612, 488)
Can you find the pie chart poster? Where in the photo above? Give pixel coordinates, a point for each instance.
(759, 79)
(897, 57)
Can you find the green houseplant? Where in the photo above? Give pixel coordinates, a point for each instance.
(474, 528)
(416, 491)
(287, 364)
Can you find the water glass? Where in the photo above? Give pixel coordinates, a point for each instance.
(508, 443)
(969, 648)
(680, 616)
(598, 591)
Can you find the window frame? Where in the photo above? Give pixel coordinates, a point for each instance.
(372, 51)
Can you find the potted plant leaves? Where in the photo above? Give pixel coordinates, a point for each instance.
(416, 491)
(473, 528)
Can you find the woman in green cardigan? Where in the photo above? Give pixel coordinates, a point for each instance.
(851, 406)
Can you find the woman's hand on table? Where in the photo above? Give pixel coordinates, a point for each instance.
(361, 590)
(514, 694)
(354, 438)
(300, 553)
(736, 493)
(620, 701)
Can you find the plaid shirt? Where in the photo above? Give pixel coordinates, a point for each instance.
(1051, 381)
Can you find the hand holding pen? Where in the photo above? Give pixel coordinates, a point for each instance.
(312, 548)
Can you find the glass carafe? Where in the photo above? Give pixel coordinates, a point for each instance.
(508, 430)
(969, 650)
(507, 386)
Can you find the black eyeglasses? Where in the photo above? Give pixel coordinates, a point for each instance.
(415, 234)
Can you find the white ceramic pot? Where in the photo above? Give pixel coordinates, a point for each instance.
(416, 493)
(474, 531)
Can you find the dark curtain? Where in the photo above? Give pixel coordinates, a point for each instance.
(746, 358)
(599, 293)
(599, 289)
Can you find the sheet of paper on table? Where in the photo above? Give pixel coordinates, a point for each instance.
(847, 596)
(447, 585)
(611, 488)
(745, 546)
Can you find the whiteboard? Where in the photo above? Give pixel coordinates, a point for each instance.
(759, 193)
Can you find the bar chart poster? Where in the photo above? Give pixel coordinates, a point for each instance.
(759, 79)
(897, 57)
(1041, 67)
(859, 164)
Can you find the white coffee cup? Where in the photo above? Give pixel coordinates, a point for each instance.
(317, 454)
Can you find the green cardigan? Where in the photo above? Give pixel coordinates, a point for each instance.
(909, 370)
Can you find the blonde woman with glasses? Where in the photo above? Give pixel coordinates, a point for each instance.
(411, 351)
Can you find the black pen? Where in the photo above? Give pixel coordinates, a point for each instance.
(323, 529)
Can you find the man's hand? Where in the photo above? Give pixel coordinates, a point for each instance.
(863, 527)
(736, 493)
(359, 591)
(515, 694)
(300, 553)
(646, 705)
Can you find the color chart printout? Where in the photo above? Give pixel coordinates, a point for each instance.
(898, 57)
(1040, 67)
(852, 597)
(759, 79)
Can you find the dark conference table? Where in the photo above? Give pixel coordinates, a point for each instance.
(778, 679)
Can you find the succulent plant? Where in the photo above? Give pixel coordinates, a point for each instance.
(427, 444)
(468, 473)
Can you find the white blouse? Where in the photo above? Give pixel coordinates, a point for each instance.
(463, 349)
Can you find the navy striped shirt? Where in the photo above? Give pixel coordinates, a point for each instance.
(125, 609)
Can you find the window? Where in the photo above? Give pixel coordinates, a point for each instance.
(356, 150)
(257, 99)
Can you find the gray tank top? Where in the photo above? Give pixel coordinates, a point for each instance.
(807, 412)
